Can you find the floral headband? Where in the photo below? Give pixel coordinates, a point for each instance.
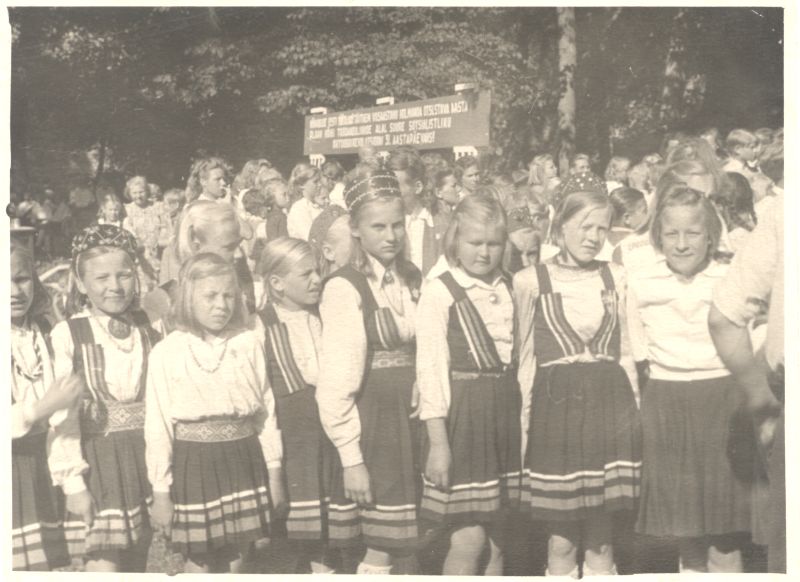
(104, 235)
(519, 218)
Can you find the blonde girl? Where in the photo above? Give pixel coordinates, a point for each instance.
(106, 341)
(111, 211)
(469, 396)
(364, 391)
(39, 407)
(293, 335)
(583, 455)
(208, 180)
(693, 489)
(308, 197)
(330, 240)
(543, 176)
(213, 445)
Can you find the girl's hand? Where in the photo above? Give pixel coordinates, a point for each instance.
(414, 402)
(356, 485)
(161, 513)
(437, 468)
(82, 505)
(277, 490)
(62, 394)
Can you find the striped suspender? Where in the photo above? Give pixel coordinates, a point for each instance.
(553, 312)
(278, 341)
(608, 330)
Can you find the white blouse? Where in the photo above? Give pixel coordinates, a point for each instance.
(64, 457)
(305, 337)
(344, 352)
(123, 359)
(493, 303)
(189, 379)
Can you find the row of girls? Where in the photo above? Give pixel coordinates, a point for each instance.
(373, 411)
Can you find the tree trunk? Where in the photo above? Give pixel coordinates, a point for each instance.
(674, 81)
(567, 61)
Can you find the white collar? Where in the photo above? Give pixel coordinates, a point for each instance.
(660, 269)
(378, 270)
(422, 214)
(466, 280)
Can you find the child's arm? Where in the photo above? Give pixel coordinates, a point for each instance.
(526, 291)
(344, 352)
(631, 347)
(158, 429)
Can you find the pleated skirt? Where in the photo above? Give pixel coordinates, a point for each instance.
(117, 481)
(484, 433)
(309, 463)
(220, 493)
(584, 443)
(37, 534)
(698, 459)
(389, 444)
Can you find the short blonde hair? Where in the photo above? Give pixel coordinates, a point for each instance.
(617, 169)
(196, 217)
(202, 266)
(280, 256)
(479, 208)
(136, 180)
(679, 194)
(571, 205)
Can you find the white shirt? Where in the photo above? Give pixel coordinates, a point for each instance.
(179, 390)
(415, 234)
(300, 218)
(337, 195)
(433, 314)
(344, 353)
(668, 317)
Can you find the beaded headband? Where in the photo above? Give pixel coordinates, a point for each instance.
(104, 235)
(581, 182)
(380, 183)
(323, 223)
(519, 218)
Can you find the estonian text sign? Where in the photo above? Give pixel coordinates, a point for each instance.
(456, 120)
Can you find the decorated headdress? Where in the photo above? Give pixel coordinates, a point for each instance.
(322, 224)
(104, 235)
(581, 182)
(381, 182)
(519, 218)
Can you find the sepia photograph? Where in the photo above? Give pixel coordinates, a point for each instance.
(396, 290)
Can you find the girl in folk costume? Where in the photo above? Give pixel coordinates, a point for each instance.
(106, 340)
(330, 240)
(583, 455)
(213, 445)
(693, 486)
(366, 376)
(469, 396)
(38, 402)
(293, 335)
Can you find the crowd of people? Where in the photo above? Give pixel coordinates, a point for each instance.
(415, 351)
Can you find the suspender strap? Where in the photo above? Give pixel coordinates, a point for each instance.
(277, 337)
(608, 278)
(543, 275)
(88, 359)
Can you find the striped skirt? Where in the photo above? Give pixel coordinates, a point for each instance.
(389, 444)
(699, 455)
(117, 481)
(220, 486)
(309, 461)
(37, 533)
(483, 429)
(584, 443)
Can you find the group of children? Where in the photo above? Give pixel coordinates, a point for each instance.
(405, 377)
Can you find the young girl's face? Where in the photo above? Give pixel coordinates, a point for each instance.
(549, 170)
(214, 183)
(470, 178)
(111, 211)
(220, 238)
(381, 229)
(173, 205)
(313, 191)
(338, 243)
(636, 217)
(301, 286)
(448, 191)
(685, 238)
(523, 238)
(585, 233)
(21, 287)
(581, 165)
(480, 248)
(281, 195)
(213, 302)
(139, 193)
(409, 190)
(109, 281)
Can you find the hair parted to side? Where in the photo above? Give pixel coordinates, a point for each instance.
(200, 170)
(734, 200)
(680, 194)
(571, 205)
(301, 174)
(197, 216)
(77, 301)
(41, 298)
(624, 200)
(196, 268)
(477, 208)
(279, 257)
(132, 182)
(738, 138)
(617, 170)
(537, 169)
